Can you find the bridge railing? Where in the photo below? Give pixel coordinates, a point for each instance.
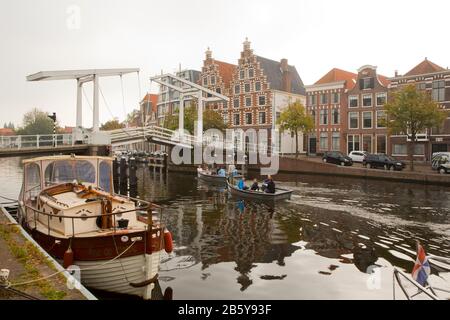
(36, 141)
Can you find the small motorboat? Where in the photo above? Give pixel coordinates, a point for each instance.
(211, 178)
(280, 194)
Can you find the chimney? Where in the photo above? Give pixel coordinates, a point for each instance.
(396, 73)
(286, 75)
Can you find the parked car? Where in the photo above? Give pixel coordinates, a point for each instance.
(358, 156)
(337, 157)
(439, 158)
(383, 161)
(441, 163)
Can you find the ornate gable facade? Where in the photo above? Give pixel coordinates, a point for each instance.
(250, 93)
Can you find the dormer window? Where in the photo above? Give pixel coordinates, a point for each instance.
(366, 83)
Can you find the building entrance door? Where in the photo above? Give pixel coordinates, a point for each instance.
(312, 146)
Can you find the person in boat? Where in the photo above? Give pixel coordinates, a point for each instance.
(221, 172)
(270, 185)
(255, 186)
(241, 184)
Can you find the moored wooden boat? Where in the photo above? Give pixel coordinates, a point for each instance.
(68, 205)
(211, 178)
(280, 194)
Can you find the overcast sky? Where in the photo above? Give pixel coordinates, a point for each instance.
(315, 36)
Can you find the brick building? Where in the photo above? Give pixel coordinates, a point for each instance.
(216, 75)
(327, 103)
(364, 131)
(434, 79)
(149, 108)
(259, 89)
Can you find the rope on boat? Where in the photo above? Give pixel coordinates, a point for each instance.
(65, 270)
(9, 199)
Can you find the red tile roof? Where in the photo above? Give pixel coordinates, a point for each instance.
(153, 98)
(336, 74)
(426, 66)
(384, 80)
(226, 71)
(6, 132)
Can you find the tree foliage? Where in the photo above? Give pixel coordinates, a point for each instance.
(134, 118)
(36, 122)
(211, 119)
(411, 112)
(295, 119)
(112, 125)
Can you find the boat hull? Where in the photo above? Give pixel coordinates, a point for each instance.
(279, 195)
(214, 179)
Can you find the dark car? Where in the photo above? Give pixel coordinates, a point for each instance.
(383, 161)
(337, 157)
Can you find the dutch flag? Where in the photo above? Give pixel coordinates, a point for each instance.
(421, 269)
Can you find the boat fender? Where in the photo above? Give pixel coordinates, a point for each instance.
(168, 243)
(68, 258)
(168, 294)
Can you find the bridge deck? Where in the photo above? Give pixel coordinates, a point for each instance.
(11, 152)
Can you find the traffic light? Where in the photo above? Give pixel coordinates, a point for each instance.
(53, 117)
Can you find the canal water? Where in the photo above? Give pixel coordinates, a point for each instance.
(337, 238)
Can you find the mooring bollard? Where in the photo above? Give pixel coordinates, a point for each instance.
(123, 176)
(116, 177)
(132, 172)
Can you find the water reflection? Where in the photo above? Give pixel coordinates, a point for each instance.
(324, 243)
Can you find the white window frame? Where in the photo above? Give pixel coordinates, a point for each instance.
(357, 118)
(380, 94)
(350, 98)
(251, 118)
(245, 101)
(371, 100)
(248, 73)
(241, 74)
(265, 119)
(239, 102)
(260, 86)
(234, 118)
(339, 116)
(249, 87)
(371, 120)
(265, 100)
(376, 119)
(321, 118)
(237, 86)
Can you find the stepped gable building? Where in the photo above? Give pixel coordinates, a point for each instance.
(216, 75)
(260, 89)
(364, 131)
(434, 79)
(327, 103)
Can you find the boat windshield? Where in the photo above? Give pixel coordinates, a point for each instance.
(61, 171)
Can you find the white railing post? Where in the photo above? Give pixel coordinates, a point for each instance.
(19, 142)
(37, 141)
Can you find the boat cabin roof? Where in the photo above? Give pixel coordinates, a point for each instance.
(66, 157)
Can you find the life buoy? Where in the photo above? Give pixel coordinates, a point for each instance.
(168, 243)
(68, 258)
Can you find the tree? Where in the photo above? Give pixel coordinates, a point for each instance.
(36, 122)
(112, 125)
(211, 119)
(294, 119)
(410, 112)
(134, 118)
